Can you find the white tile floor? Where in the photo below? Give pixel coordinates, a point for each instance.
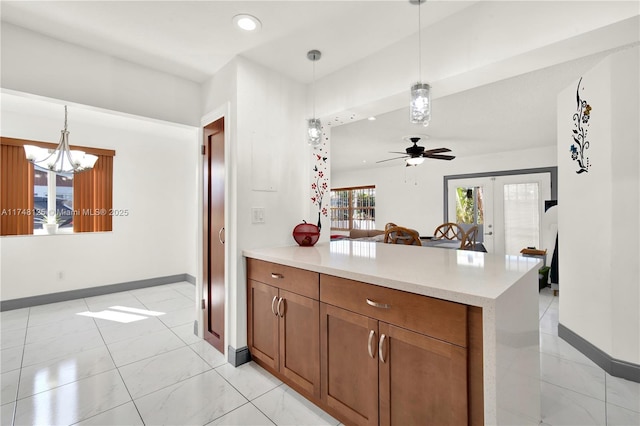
(61, 368)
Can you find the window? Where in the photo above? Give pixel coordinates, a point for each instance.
(52, 195)
(82, 201)
(353, 208)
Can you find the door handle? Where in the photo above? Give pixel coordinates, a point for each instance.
(220, 235)
(273, 302)
(488, 233)
(381, 347)
(372, 336)
(278, 309)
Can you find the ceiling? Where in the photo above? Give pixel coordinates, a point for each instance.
(195, 39)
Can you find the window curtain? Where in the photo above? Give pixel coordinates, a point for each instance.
(16, 190)
(92, 189)
(93, 197)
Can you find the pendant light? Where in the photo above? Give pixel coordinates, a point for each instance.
(420, 107)
(63, 159)
(314, 126)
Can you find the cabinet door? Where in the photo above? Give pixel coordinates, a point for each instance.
(262, 330)
(422, 380)
(300, 341)
(349, 364)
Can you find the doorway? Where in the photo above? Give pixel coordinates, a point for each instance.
(507, 208)
(214, 234)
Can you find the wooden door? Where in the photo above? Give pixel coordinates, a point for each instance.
(300, 341)
(423, 381)
(214, 234)
(262, 330)
(349, 364)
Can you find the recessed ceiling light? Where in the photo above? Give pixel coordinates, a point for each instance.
(372, 118)
(247, 22)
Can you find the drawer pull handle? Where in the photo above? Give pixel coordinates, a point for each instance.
(372, 336)
(378, 305)
(276, 276)
(381, 347)
(273, 308)
(278, 309)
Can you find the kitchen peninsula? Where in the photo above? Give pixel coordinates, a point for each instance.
(392, 334)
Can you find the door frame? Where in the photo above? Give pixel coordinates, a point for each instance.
(222, 111)
(552, 170)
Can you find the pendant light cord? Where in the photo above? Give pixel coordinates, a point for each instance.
(65, 118)
(313, 89)
(419, 43)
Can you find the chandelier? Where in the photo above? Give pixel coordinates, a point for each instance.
(62, 159)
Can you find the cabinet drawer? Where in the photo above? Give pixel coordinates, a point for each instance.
(434, 317)
(299, 281)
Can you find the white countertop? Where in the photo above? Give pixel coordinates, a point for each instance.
(468, 277)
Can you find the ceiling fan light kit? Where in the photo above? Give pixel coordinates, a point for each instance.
(314, 126)
(414, 161)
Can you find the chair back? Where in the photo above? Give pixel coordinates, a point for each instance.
(469, 239)
(400, 235)
(389, 225)
(448, 231)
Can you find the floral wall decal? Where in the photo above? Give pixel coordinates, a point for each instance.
(320, 181)
(320, 184)
(580, 129)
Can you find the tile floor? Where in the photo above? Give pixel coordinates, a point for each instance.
(61, 368)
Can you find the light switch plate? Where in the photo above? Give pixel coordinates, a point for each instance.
(257, 215)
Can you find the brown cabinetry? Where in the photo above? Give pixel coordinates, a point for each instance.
(367, 354)
(379, 372)
(284, 328)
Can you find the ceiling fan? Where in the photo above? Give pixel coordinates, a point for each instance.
(416, 154)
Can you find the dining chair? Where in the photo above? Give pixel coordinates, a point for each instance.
(448, 231)
(389, 225)
(401, 235)
(469, 239)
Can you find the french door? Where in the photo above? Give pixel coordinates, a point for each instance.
(507, 209)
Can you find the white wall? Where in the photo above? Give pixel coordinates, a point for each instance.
(34, 63)
(598, 210)
(267, 167)
(413, 196)
(154, 171)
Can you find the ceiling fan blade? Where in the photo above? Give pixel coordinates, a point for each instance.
(389, 159)
(436, 151)
(440, 156)
(396, 152)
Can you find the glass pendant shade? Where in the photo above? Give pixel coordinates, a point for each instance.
(414, 161)
(420, 108)
(314, 132)
(62, 159)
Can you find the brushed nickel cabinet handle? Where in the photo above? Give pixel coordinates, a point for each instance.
(277, 276)
(220, 235)
(273, 308)
(372, 336)
(381, 347)
(377, 304)
(278, 309)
